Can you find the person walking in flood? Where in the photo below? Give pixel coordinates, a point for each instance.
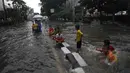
(39, 27)
(79, 36)
(34, 27)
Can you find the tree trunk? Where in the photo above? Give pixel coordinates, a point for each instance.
(100, 17)
(5, 15)
(73, 15)
(113, 17)
(82, 14)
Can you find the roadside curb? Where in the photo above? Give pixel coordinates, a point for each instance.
(74, 58)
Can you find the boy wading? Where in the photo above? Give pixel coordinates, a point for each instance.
(79, 35)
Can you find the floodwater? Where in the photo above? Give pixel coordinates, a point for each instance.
(22, 51)
(93, 37)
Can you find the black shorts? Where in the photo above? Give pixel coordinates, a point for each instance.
(79, 44)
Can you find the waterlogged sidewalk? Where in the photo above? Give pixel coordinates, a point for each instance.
(94, 34)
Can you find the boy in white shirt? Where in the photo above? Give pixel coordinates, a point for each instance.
(59, 37)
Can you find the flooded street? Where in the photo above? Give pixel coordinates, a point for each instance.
(93, 37)
(22, 51)
(29, 44)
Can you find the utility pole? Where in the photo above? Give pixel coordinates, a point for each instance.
(73, 14)
(5, 16)
(83, 9)
(72, 4)
(99, 10)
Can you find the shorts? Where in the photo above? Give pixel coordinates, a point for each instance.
(79, 43)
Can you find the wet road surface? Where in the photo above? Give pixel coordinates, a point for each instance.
(94, 34)
(22, 51)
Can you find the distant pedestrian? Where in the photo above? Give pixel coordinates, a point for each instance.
(34, 27)
(79, 35)
(39, 25)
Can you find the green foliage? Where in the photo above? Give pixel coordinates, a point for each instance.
(49, 4)
(18, 12)
(109, 6)
(87, 3)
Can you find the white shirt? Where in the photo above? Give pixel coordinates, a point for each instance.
(59, 35)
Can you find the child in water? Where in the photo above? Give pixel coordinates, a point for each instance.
(51, 31)
(56, 31)
(79, 36)
(111, 58)
(59, 37)
(106, 47)
(109, 52)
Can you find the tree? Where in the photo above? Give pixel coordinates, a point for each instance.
(49, 4)
(108, 6)
(19, 10)
(87, 3)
